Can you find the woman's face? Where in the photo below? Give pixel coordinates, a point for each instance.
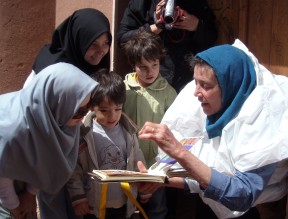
(98, 49)
(207, 89)
(79, 114)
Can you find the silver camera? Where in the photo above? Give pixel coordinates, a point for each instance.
(170, 14)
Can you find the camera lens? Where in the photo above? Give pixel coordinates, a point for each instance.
(168, 19)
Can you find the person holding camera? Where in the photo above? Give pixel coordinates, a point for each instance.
(187, 30)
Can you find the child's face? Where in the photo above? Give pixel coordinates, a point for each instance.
(147, 71)
(107, 113)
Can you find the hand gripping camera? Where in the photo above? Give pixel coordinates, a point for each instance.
(170, 14)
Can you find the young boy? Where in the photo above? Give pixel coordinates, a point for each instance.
(108, 141)
(148, 97)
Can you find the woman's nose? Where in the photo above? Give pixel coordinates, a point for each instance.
(196, 91)
(104, 48)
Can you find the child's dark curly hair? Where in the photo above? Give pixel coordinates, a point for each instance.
(144, 44)
(111, 86)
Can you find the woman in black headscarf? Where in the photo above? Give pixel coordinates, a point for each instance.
(83, 40)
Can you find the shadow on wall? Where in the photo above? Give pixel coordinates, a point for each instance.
(120, 63)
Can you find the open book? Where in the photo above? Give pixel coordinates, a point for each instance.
(126, 176)
(159, 172)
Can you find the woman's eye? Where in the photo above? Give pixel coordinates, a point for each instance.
(206, 86)
(95, 45)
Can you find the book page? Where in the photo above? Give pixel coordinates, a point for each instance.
(125, 176)
(166, 163)
(169, 166)
(121, 173)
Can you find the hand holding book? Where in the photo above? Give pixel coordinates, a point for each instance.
(166, 167)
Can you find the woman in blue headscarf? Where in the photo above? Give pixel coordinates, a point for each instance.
(39, 137)
(240, 115)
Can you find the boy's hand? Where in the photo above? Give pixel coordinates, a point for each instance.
(28, 205)
(141, 167)
(82, 208)
(16, 212)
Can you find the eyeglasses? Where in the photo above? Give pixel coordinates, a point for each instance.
(81, 112)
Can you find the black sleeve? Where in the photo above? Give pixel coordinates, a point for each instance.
(136, 15)
(206, 34)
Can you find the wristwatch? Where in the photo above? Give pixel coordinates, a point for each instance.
(158, 24)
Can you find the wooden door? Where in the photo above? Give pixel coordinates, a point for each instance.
(261, 24)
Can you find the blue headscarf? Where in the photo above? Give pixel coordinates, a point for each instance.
(237, 79)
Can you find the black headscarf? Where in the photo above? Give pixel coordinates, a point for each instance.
(71, 40)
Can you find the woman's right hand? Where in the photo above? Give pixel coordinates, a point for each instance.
(157, 18)
(28, 205)
(158, 10)
(162, 136)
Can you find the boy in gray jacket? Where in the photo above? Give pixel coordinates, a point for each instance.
(108, 141)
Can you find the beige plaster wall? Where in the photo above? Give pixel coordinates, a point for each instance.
(23, 28)
(65, 8)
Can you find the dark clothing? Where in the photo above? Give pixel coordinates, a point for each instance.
(156, 207)
(195, 208)
(59, 208)
(111, 213)
(72, 39)
(178, 43)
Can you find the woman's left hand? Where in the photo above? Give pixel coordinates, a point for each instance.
(187, 22)
(145, 189)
